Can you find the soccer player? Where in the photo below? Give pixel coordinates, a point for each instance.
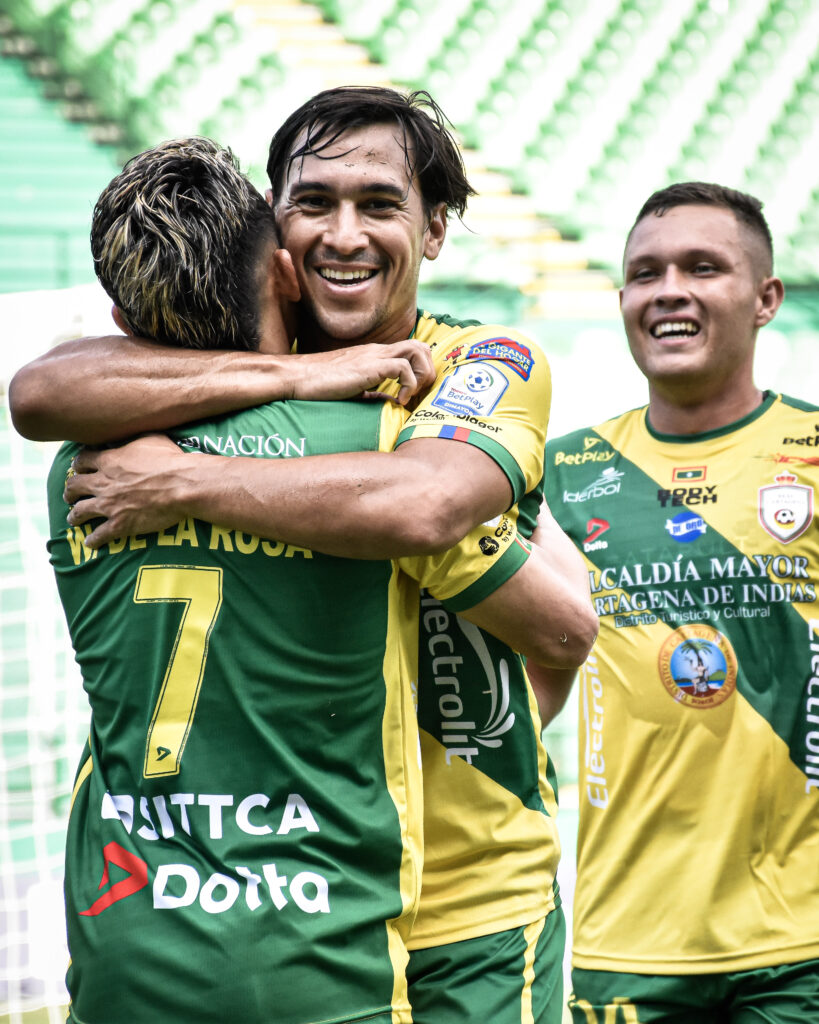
(697, 896)
(478, 353)
(216, 809)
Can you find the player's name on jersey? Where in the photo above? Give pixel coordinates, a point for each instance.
(703, 595)
(187, 533)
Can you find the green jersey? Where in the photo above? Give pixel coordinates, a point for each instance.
(245, 834)
(699, 706)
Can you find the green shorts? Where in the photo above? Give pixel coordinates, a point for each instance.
(511, 977)
(788, 994)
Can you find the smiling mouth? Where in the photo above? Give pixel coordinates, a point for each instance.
(675, 329)
(346, 277)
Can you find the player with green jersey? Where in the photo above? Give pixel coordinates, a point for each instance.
(696, 897)
(356, 229)
(234, 681)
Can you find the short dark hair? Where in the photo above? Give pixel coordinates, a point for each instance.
(431, 151)
(176, 238)
(746, 208)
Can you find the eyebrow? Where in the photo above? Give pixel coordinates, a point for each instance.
(699, 253)
(379, 188)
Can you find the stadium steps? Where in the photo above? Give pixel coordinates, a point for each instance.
(504, 241)
(50, 175)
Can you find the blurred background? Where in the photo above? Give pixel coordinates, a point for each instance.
(571, 112)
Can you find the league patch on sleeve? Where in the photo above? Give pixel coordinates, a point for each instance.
(517, 356)
(471, 390)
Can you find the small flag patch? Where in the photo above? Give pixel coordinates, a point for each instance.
(453, 433)
(689, 473)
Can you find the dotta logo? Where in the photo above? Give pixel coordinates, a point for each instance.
(137, 879)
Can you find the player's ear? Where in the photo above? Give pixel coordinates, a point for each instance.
(435, 232)
(268, 194)
(120, 321)
(770, 294)
(287, 285)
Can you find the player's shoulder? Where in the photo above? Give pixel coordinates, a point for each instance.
(454, 342)
(586, 438)
(798, 405)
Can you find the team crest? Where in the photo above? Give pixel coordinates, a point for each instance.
(698, 666)
(785, 507)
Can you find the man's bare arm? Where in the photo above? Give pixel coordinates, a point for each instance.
(546, 615)
(552, 681)
(110, 388)
(420, 499)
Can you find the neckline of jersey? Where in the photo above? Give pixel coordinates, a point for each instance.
(768, 398)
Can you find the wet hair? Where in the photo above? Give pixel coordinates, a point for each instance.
(176, 238)
(746, 208)
(430, 149)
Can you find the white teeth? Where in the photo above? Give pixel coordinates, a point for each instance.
(676, 328)
(345, 275)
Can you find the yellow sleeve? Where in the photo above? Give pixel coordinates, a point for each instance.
(492, 390)
(464, 575)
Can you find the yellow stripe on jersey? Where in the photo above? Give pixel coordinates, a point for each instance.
(402, 765)
(82, 775)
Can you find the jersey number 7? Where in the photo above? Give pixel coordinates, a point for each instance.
(199, 589)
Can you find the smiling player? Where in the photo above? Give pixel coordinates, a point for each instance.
(697, 899)
(362, 180)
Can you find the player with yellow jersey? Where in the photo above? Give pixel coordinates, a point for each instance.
(696, 896)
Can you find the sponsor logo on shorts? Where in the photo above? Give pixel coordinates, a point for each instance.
(518, 357)
(785, 507)
(471, 390)
(698, 666)
(686, 527)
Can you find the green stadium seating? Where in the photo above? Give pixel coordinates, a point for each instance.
(50, 176)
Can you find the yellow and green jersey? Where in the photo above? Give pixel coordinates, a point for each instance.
(245, 838)
(698, 847)
(490, 796)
